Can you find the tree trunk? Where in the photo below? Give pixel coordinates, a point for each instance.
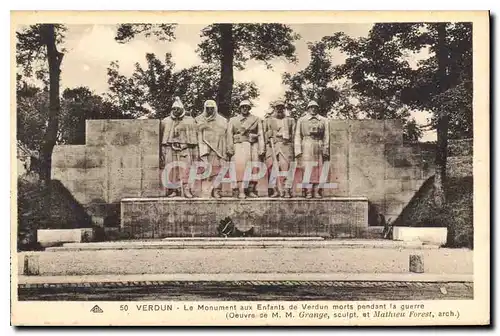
(442, 120)
(226, 75)
(54, 58)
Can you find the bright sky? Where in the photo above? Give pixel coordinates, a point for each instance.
(91, 48)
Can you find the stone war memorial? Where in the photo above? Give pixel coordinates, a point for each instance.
(116, 177)
(261, 168)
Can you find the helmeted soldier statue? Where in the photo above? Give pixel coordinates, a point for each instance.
(179, 142)
(279, 132)
(212, 141)
(245, 143)
(312, 145)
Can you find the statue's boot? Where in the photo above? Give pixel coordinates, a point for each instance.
(317, 192)
(187, 192)
(216, 193)
(309, 193)
(171, 193)
(274, 193)
(241, 193)
(287, 193)
(252, 191)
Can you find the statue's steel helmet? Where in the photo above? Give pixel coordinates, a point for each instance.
(210, 103)
(312, 103)
(245, 103)
(279, 103)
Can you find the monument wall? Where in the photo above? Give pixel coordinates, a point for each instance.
(121, 160)
(368, 158)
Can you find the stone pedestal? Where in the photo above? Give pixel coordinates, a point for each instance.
(178, 217)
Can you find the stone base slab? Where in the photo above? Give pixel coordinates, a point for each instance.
(339, 217)
(244, 261)
(153, 279)
(51, 237)
(429, 235)
(241, 243)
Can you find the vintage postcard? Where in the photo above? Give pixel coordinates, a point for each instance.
(250, 168)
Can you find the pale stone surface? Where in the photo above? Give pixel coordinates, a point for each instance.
(95, 157)
(339, 125)
(120, 159)
(430, 235)
(393, 131)
(52, 237)
(123, 132)
(69, 156)
(339, 136)
(367, 131)
(95, 131)
(120, 188)
(259, 260)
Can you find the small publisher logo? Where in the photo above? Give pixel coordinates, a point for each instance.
(97, 309)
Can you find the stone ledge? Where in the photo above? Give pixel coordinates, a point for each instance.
(144, 278)
(429, 235)
(256, 260)
(235, 243)
(51, 237)
(236, 200)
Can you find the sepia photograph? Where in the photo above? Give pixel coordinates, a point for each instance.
(250, 169)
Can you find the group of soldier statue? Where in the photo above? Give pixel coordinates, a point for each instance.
(275, 140)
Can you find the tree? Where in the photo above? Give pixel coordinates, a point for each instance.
(312, 83)
(32, 112)
(78, 105)
(227, 46)
(441, 83)
(128, 31)
(158, 83)
(338, 97)
(231, 45)
(38, 43)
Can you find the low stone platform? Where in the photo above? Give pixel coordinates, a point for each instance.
(389, 257)
(336, 217)
(242, 243)
(52, 237)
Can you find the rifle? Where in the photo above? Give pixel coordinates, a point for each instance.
(275, 159)
(246, 130)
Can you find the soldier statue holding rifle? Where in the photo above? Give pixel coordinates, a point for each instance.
(245, 143)
(279, 132)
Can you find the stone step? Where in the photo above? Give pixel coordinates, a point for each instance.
(132, 279)
(243, 239)
(243, 260)
(240, 243)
